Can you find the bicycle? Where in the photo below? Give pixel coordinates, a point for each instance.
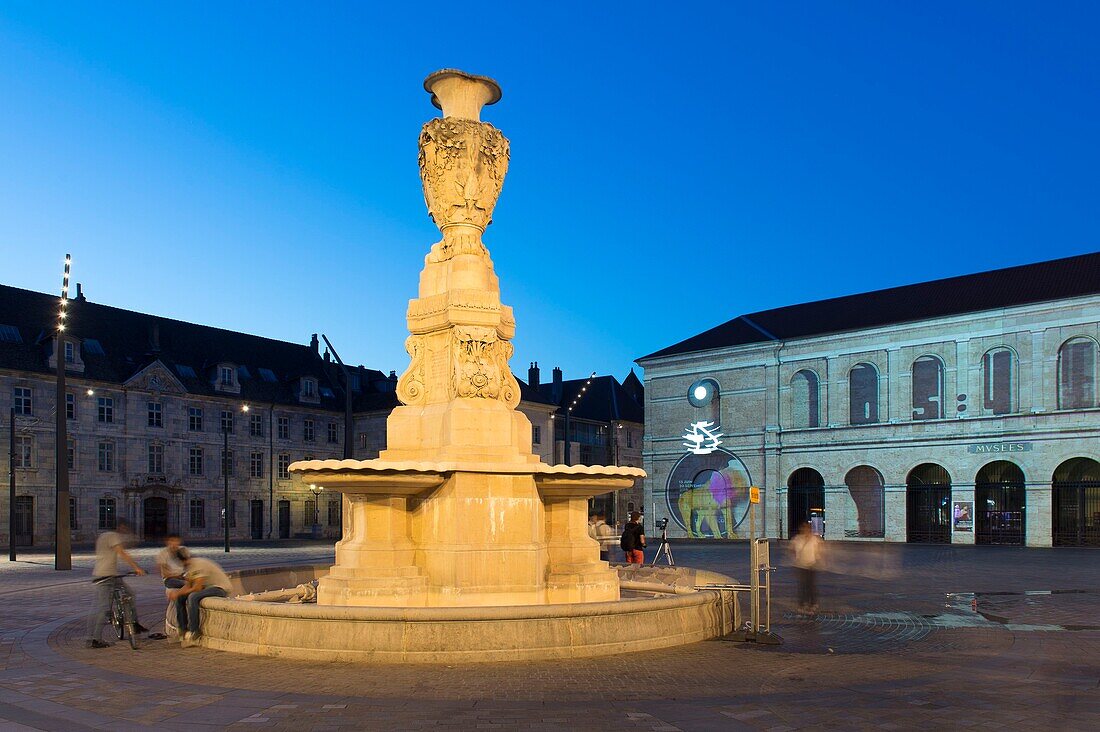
(122, 614)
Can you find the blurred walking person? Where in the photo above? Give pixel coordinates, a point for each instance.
(808, 549)
(633, 540)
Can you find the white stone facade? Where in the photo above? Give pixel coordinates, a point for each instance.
(761, 401)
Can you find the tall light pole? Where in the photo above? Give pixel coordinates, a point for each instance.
(316, 491)
(569, 412)
(11, 487)
(63, 553)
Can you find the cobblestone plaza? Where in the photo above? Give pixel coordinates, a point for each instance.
(907, 637)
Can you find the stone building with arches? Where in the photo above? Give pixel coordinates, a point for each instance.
(962, 410)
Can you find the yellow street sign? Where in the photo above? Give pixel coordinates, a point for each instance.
(754, 494)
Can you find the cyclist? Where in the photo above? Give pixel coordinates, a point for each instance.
(109, 548)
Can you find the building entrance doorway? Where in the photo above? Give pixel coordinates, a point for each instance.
(156, 518)
(928, 505)
(284, 519)
(999, 498)
(24, 521)
(805, 493)
(256, 520)
(1076, 498)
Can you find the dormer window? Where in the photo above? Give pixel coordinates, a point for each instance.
(308, 390)
(70, 352)
(226, 378)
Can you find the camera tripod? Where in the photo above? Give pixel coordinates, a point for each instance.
(665, 550)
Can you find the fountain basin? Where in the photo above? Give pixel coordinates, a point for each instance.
(662, 610)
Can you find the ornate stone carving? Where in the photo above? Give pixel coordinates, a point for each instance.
(481, 365)
(462, 168)
(410, 387)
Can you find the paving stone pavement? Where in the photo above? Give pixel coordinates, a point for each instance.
(908, 637)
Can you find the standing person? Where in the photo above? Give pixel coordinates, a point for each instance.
(633, 540)
(204, 578)
(109, 548)
(169, 564)
(605, 534)
(807, 548)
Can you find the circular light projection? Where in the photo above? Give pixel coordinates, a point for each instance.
(702, 392)
(708, 495)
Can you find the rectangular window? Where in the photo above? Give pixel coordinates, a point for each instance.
(156, 459)
(195, 461)
(309, 386)
(284, 465)
(73, 523)
(70, 406)
(256, 465)
(307, 430)
(108, 518)
(21, 400)
(227, 421)
(71, 454)
(227, 376)
(106, 452)
(310, 517)
(232, 513)
(194, 419)
(284, 428)
(227, 463)
(630, 438)
(334, 512)
(106, 410)
(333, 432)
(24, 451)
(256, 425)
(70, 352)
(155, 414)
(197, 513)
(536, 434)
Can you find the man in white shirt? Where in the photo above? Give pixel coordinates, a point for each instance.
(606, 535)
(204, 578)
(169, 564)
(109, 548)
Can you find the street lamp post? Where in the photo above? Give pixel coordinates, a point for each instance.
(316, 491)
(11, 487)
(568, 414)
(63, 555)
(225, 482)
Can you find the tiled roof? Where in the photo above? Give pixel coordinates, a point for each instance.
(604, 400)
(127, 341)
(1002, 288)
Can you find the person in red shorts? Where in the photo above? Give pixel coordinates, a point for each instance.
(633, 540)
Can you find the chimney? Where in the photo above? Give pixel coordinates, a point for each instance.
(555, 391)
(328, 356)
(313, 343)
(79, 292)
(533, 375)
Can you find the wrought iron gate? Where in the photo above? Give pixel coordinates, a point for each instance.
(1076, 513)
(999, 509)
(928, 514)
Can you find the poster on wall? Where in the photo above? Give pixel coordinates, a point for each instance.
(708, 494)
(963, 516)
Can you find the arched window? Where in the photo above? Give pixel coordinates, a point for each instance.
(927, 388)
(866, 517)
(1077, 374)
(863, 394)
(999, 381)
(805, 409)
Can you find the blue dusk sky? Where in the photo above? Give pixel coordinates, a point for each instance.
(253, 165)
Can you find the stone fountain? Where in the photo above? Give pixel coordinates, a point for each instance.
(457, 526)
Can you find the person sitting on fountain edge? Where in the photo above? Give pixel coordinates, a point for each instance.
(204, 578)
